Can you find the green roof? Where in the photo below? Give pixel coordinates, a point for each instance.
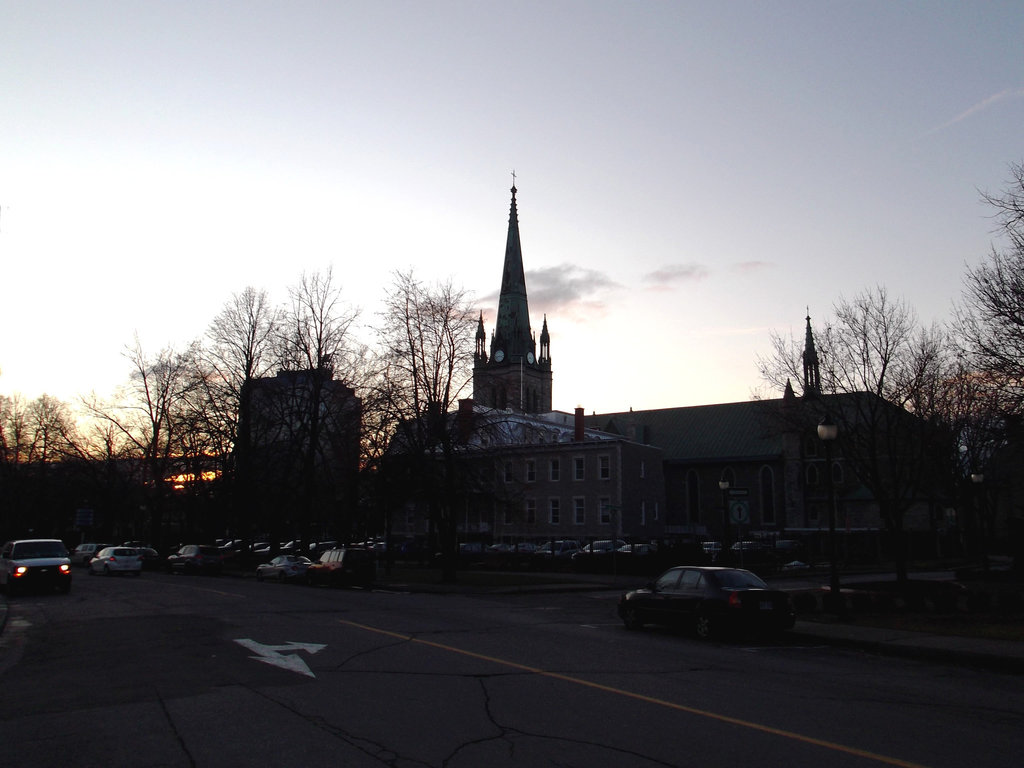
(725, 431)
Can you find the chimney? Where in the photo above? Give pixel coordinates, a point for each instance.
(578, 434)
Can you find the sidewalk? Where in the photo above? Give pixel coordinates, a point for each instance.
(999, 655)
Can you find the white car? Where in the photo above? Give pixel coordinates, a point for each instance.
(28, 563)
(111, 560)
(283, 567)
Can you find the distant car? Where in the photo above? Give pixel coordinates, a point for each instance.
(196, 558)
(711, 600)
(561, 549)
(283, 567)
(111, 560)
(83, 553)
(39, 563)
(344, 567)
(151, 559)
(596, 556)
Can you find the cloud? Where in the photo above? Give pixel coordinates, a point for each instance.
(981, 106)
(663, 279)
(565, 290)
(752, 266)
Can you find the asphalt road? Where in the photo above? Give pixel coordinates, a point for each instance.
(199, 671)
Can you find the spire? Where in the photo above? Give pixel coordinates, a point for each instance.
(512, 337)
(545, 342)
(812, 373)
(481, 340)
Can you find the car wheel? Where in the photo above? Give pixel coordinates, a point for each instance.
(106, 570)
(631, 619)
(705, 626)
(280, 575)
(259, 576)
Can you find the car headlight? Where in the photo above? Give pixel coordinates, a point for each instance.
(20, 570)
(65, 568)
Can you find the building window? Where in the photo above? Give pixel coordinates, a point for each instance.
(554, 512)
(812, 476)
(643, 469)
(509, 515)
(578, 468)
(531, 470)
(606, 510)
(837, 473)
(811, 445)
(555, 470)
(531, 511)
(657, 513)
(579, 512)
(606, 468)
(509, 474)
(643, 513)
(767, 496)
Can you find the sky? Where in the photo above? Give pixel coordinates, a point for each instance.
(692, 176)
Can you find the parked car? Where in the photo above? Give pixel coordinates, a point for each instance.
(343, 567)
(83, 553)
(151, 559)
(561, 549)
(283, 567)
(196, 558)
(596, 556)
(111, 560)
(28, 563)
(710, 599)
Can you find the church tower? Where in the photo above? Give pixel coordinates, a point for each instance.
(812, 372)
(513, 375)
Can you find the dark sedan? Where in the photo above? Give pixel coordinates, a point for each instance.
(711, 600)
(196, 558)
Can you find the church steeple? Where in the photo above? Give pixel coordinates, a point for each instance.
(812, 373)
(480, 355)
(514, 375)
(512, 340)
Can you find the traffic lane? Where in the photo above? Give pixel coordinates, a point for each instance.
(412, 698)
(806, 694)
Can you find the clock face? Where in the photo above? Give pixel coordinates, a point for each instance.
(529, 358)
(499, 355)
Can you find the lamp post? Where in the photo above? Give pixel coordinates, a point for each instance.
(723, 486)
(977, 478)
(828, 431)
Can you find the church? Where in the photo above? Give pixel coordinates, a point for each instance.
(746, 471)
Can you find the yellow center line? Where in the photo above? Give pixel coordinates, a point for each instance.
(884, 759)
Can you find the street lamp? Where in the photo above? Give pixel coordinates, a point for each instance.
(828, 431)
(723, 486)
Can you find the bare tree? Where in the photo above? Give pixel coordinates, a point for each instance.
(990, 318)
(881, 375)
(148, 415)
(317, 413)
(240, 349)
(426, 342)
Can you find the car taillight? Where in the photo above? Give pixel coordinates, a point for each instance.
(113, 559)
(734, 600)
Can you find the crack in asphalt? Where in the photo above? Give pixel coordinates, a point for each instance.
(174, 730)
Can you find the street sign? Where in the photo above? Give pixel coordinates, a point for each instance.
(739, 511)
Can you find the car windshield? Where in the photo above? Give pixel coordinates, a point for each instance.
(27, 550)
(740, 580)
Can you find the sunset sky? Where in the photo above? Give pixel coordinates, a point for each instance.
(691, 176)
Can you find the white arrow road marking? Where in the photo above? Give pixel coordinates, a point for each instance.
(278, 656)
